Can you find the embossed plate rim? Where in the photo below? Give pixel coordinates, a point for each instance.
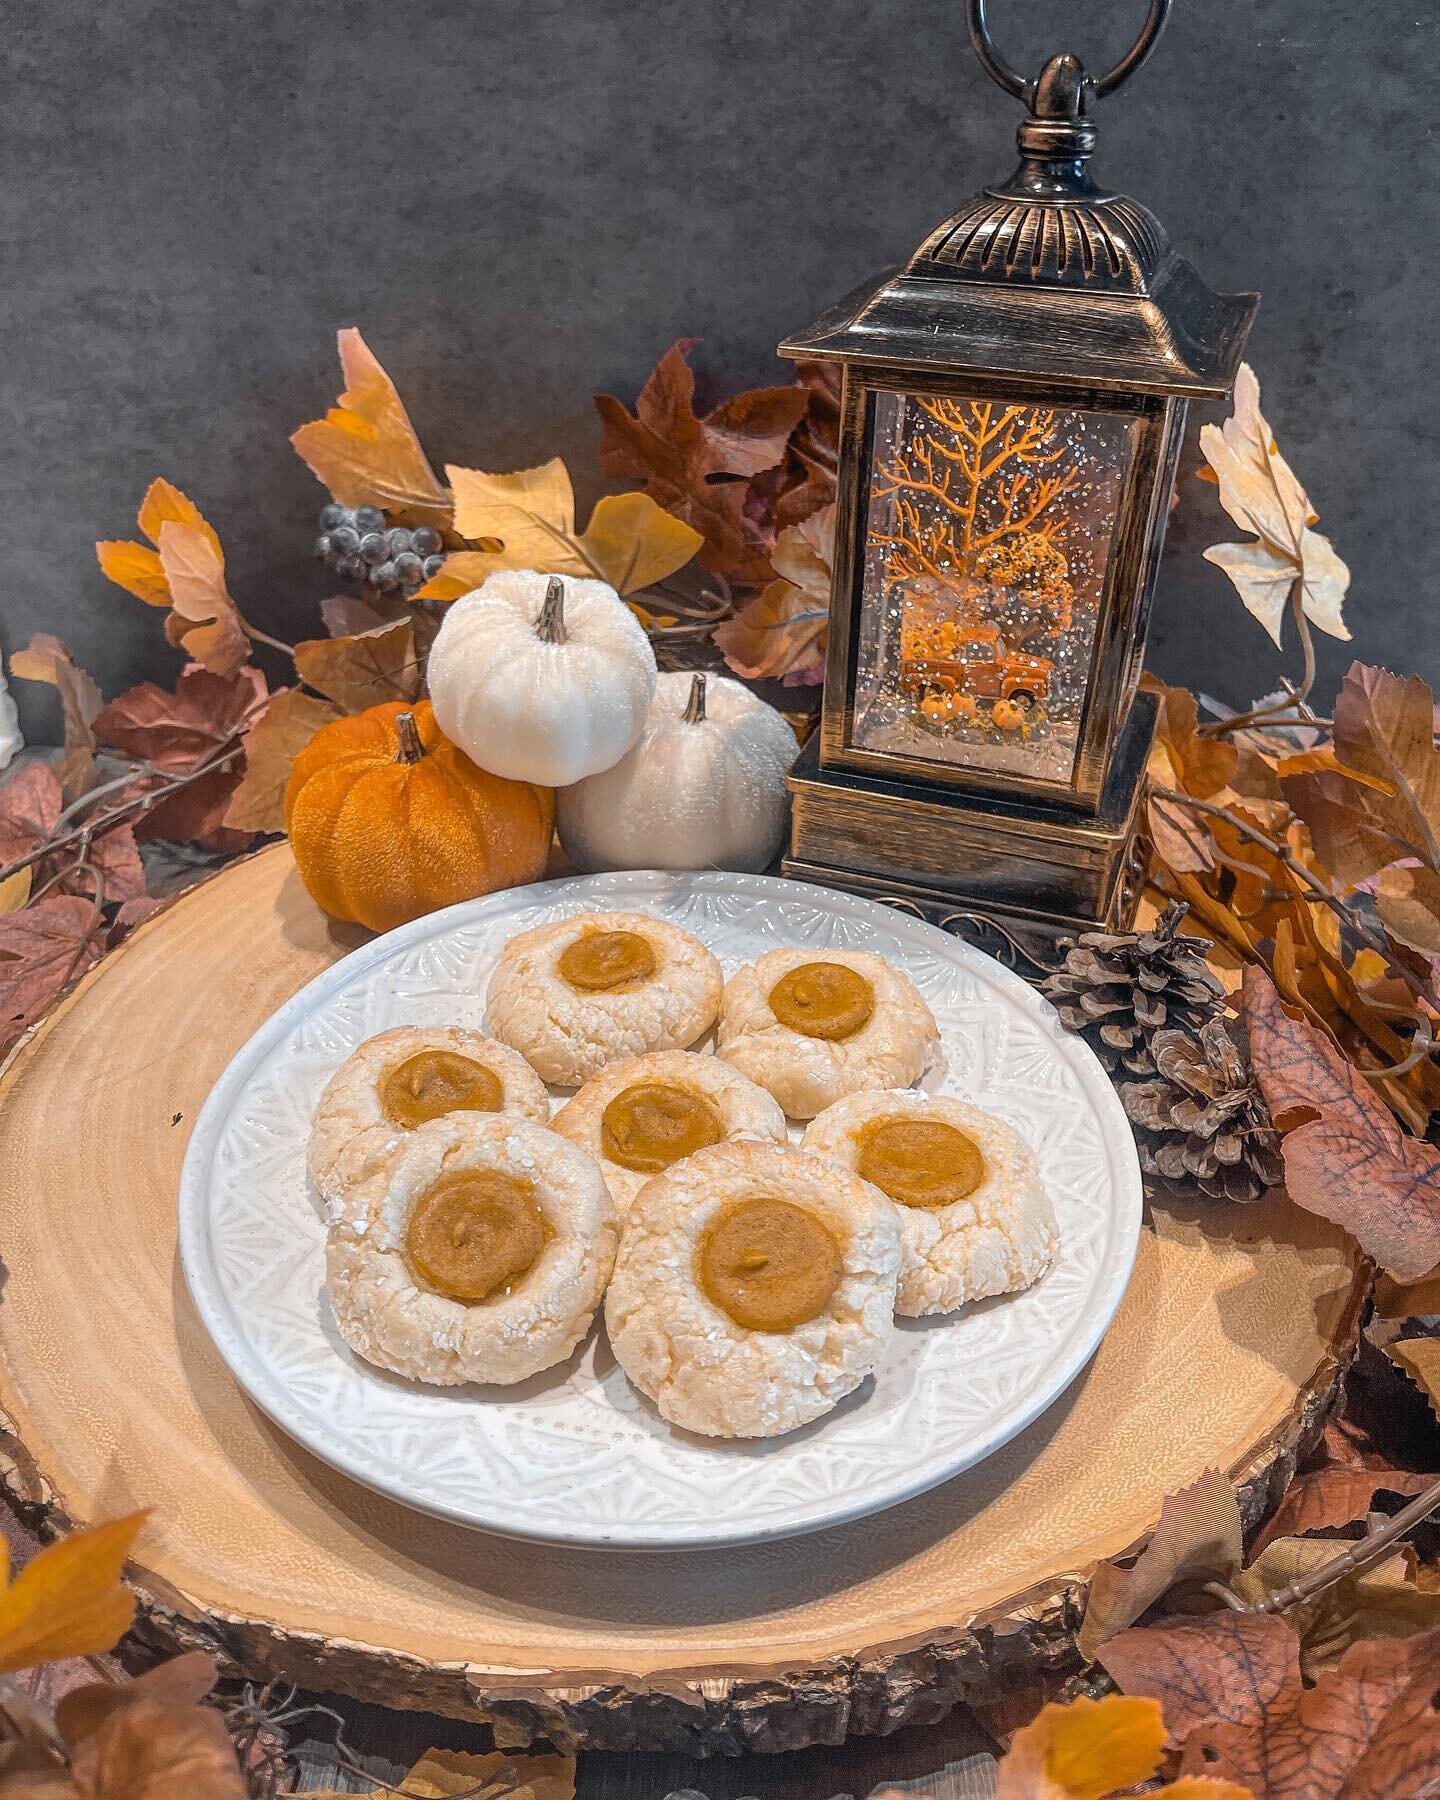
(636, 889)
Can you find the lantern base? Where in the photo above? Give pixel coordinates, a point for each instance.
(1037, 871)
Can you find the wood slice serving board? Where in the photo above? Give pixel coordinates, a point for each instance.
(1226, 1352)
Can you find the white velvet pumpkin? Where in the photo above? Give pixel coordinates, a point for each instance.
(704, 788)
(541, 678)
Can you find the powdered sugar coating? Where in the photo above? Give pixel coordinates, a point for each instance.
(567, 1036)
(895, 1046)
(389, 1318)
(997, 1240)
(349, 1123)
(746, 1111)
(703, 1371)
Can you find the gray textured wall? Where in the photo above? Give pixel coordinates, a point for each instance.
(522, 202)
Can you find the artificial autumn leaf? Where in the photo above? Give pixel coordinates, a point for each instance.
(42, 949)
(1380, 1601)
(782, 632)
(183, 1681)
(528, 516)
(442, 1773)
(1420, 1359)
(1408, 1300)
(348, 615)
(69, 1599)
(271, 745)
(364, 670)
(30, 803)
(1199, 1536)
(136, 568)
(15, 891)
(46, 659)
(1232, 1693)
(1331, 1497)
(174, 731)
(1260, 493)
(30, 808)
(1407, 903)
(1349, 1161)
(365, 450)
(203, 619)
(1091, 1748)
(1202, 766)
(695, 467)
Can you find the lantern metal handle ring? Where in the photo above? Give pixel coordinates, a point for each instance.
(1097, 85)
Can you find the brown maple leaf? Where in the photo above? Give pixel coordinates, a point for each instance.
(1347, 1159)
(804, 480)
(1329, 1498)
(43, 947)
(698, 468)
(364, 669)
(174, 731)
(1232, 1693)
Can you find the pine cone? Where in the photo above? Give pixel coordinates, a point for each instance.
(1118, 988)
(1202, 1119)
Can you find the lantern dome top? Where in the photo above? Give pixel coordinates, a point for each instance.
(1047, 276)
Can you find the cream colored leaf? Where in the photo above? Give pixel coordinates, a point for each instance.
(530, 511)
(203, 618)
(15, 891)
(365, 450)
(804, 555)
(633, 542)
(1259, 491)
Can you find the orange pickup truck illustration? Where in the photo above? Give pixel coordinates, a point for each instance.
(978, 662)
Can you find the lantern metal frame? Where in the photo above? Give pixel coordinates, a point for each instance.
(1047, 291)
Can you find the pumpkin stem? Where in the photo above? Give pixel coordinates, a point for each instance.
(550, 626)
(408, 747)
(695, 705)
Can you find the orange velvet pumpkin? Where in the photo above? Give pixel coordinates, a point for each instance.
(388, 820)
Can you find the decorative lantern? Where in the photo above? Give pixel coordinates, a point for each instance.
(1014, 399)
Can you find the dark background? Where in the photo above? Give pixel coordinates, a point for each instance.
(521, 203)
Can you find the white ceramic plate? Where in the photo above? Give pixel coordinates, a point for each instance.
(577, 1456)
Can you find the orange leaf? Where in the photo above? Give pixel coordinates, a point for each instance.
(165, 504)
(462, 572)
(136, 568)
(365, 450)
(1420, 1359)
(69, 1599)
(271, 745)
(1083, 1751)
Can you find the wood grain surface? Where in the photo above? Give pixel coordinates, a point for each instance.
(1225, 1352)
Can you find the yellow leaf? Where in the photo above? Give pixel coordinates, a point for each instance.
(1083, 1751)
(634, 542)
(203, 619)
(69, 1599)
(1261, 494)
(440, 1774)
(15, 891)
(1420, 1359)
(1201, 1787)
(136, 568)
(463, 571)
(271, 745)
(165, 504)
(365, 449)
(530, 511)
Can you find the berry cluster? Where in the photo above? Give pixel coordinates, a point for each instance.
(357, 545)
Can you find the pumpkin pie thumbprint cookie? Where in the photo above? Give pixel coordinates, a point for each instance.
(974, 1216)
(754, 1289)
(578, 995)
(812, 1027)
(474, 1249)
(638, 1117)
(404, 1078)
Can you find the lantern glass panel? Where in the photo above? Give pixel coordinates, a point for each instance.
(988, 534)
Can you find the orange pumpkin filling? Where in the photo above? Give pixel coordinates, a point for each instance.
(769, 1264)
(475, 1236)
(823, 1000)
(919, 1162)
(602, 961)
(435, 1082)
(652, 1125)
